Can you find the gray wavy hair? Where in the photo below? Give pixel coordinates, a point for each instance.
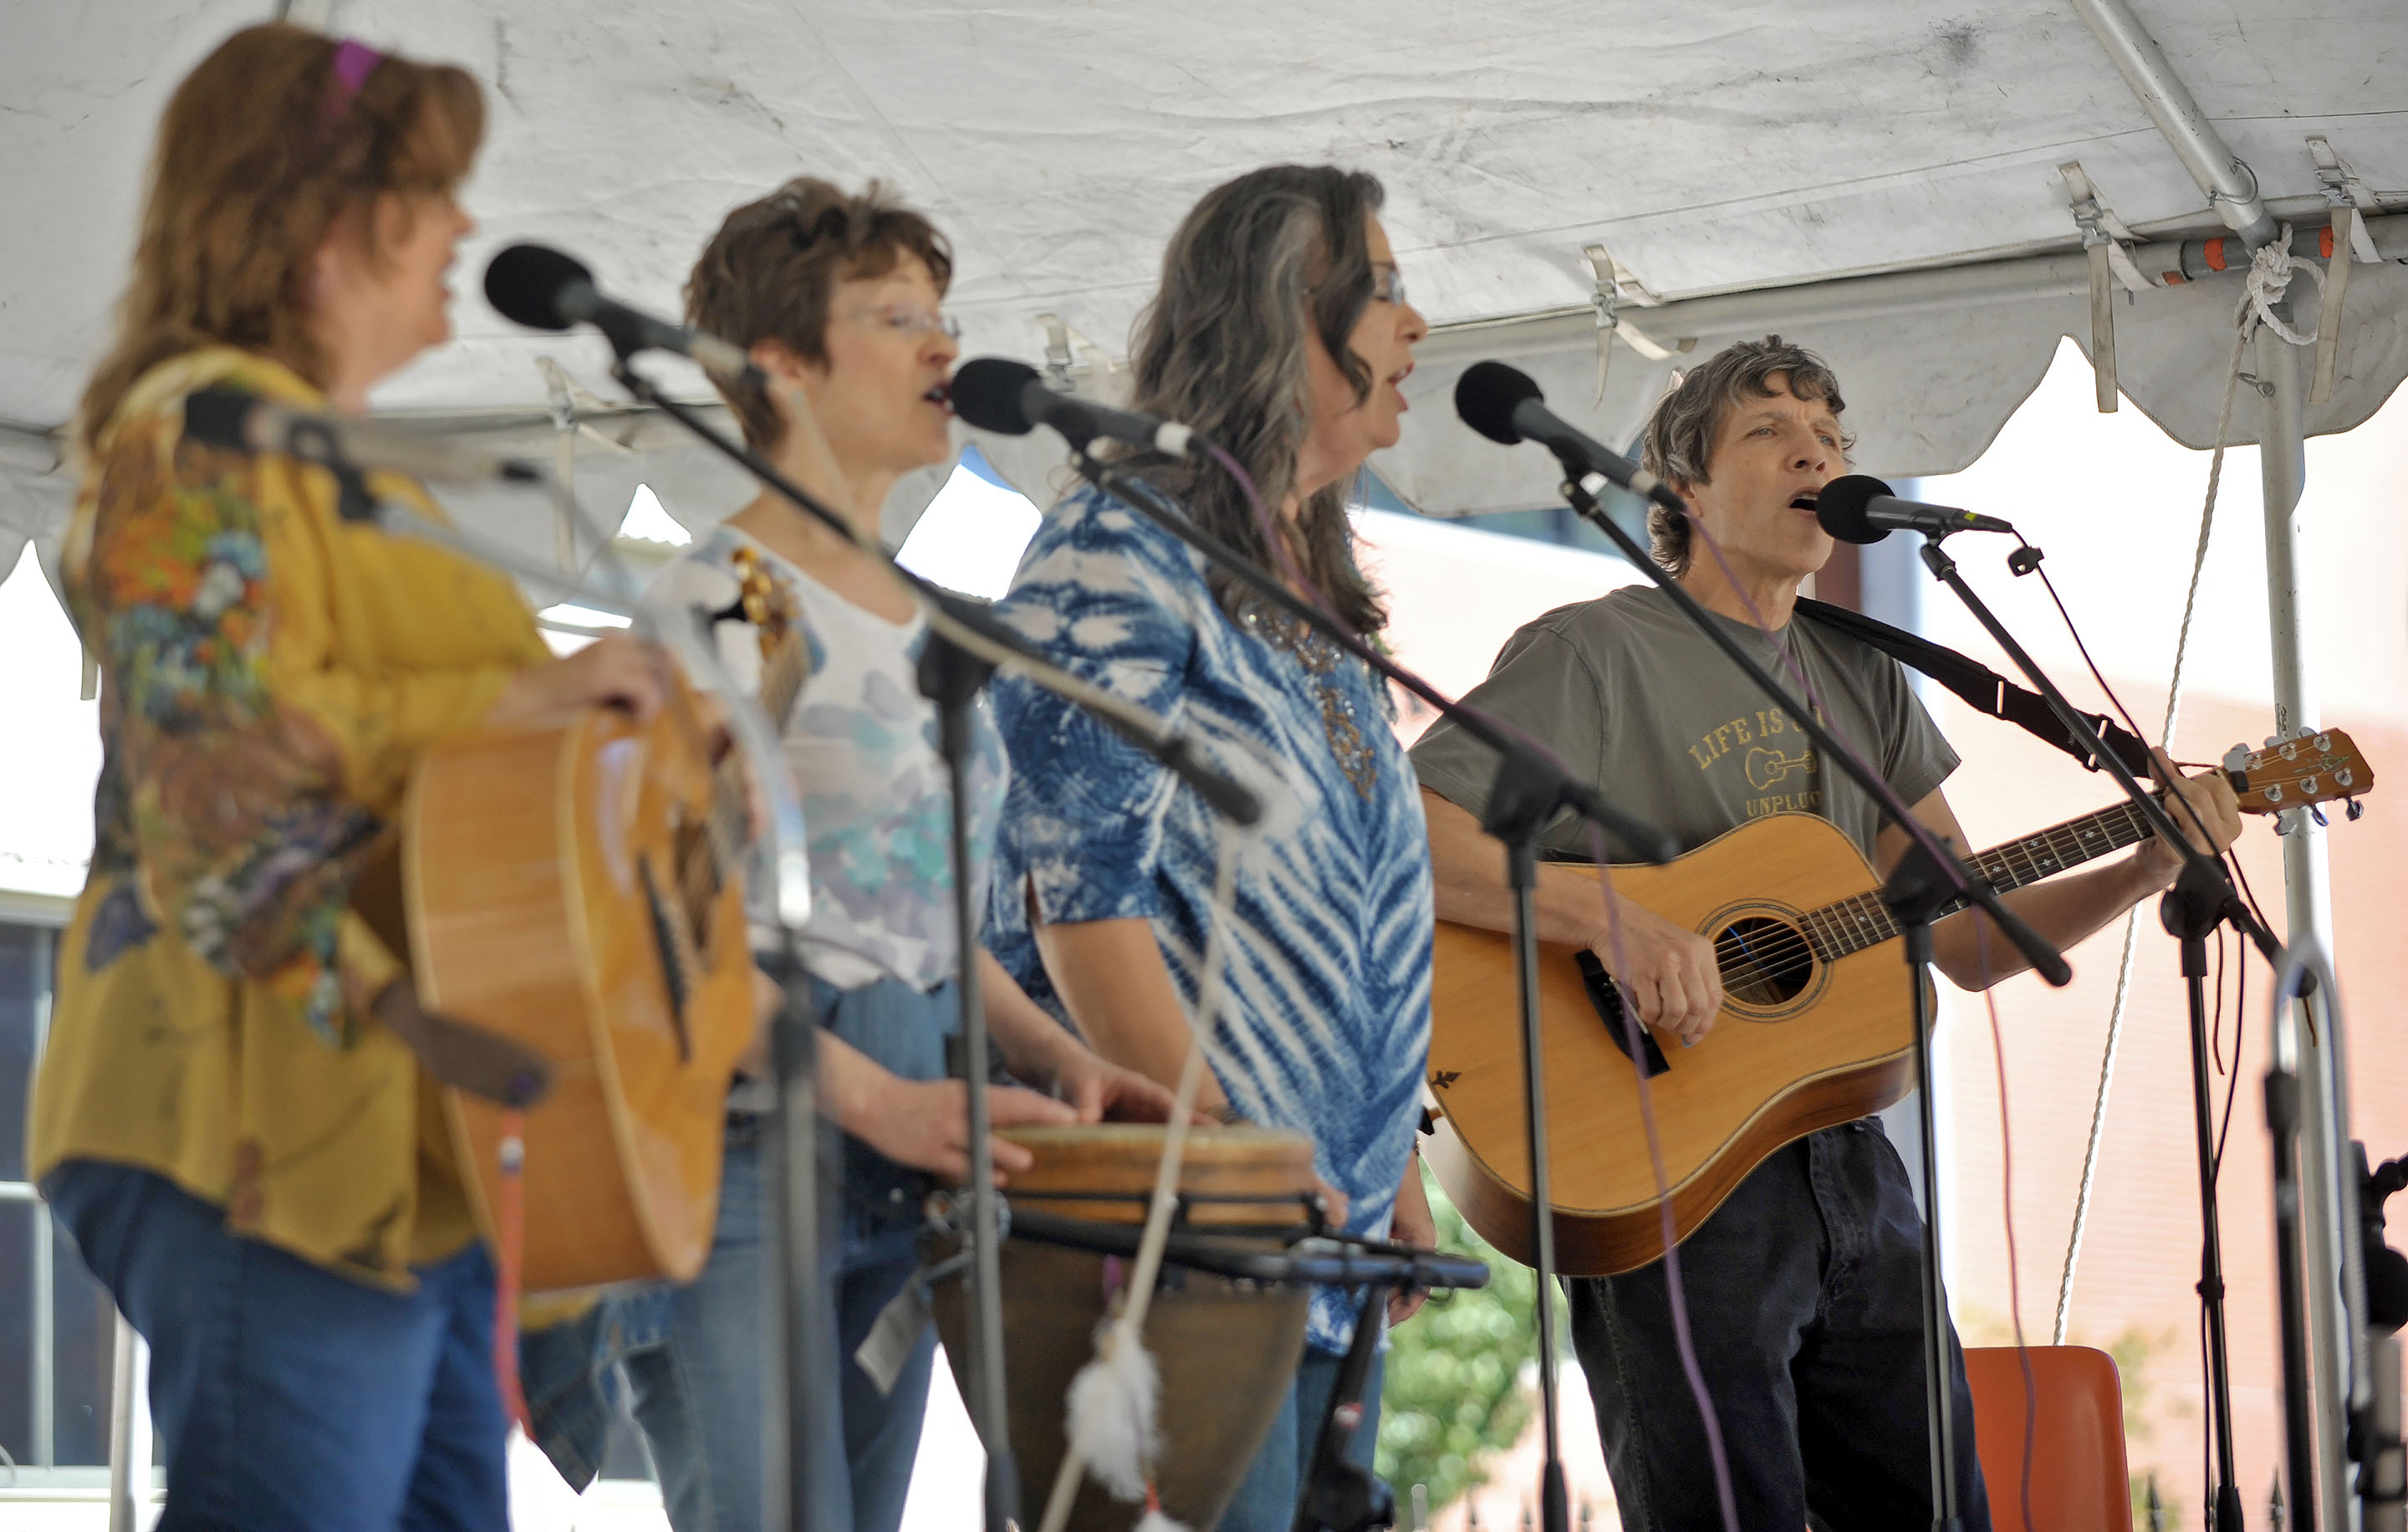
(1680, 442)
(1223, 348)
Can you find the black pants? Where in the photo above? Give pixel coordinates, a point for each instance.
(1805, 1304)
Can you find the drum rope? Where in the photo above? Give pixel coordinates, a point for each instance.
(2270, 274)
(1127, 1329)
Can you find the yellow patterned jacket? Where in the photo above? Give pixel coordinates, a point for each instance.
(271, 672)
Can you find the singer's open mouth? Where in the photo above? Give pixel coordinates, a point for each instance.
(1804, 503)
(940, 394)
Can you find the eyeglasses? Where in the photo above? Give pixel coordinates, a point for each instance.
(906, 319)
(1388, 285)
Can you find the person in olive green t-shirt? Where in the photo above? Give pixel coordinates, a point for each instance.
(1804, 1288)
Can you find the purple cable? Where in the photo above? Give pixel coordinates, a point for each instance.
(1690, 1367)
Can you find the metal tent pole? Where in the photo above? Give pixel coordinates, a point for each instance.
(2308, 901)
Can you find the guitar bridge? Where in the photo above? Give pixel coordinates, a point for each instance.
(1608, 1001)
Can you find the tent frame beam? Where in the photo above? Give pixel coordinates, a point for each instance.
(2230, 185)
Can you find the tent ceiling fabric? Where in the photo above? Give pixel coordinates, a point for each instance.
(1728, 145)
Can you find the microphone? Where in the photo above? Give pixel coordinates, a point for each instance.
(1009, 398)
(1860, 508)
(1504, 404)
(543, 289)
(233, 419)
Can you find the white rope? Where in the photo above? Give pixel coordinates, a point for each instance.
(2268, 278)
(1127, 1329)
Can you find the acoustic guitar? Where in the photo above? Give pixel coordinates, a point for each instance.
(577, 884)
(1815, 1027)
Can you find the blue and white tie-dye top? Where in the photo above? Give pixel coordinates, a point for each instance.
(1324, 1022)
(862, 740)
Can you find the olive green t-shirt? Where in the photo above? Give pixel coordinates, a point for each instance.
(1627, 693)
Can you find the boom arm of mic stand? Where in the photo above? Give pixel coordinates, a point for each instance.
(1647, 840)
(2043, 956)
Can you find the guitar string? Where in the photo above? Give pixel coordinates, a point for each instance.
(1766, 956)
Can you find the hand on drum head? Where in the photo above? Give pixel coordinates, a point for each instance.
(925, 1123)
(1100, 1092)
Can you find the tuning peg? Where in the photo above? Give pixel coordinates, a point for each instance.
(2237, 758)
(2316, 812)
(2356, 811)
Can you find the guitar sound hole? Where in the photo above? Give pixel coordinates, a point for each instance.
(1764, 962)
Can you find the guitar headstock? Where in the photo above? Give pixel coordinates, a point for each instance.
(2312, 768)
(766, 601)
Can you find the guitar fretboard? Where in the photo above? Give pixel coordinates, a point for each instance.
(1852, 925)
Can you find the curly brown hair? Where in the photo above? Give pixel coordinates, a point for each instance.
(1680, 440)
(770, 271)
(260, 151)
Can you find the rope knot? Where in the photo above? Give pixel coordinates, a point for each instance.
(2271, 269)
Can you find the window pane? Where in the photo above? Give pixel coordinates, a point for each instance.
(84, 1350)
(17, 1327)
(16, 1042)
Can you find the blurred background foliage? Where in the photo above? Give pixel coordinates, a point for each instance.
(1455, 1392)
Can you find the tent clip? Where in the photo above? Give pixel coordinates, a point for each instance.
(1058, 355)
(1617, 287)
(2343, 189)
(2351, 243)
(2104, 237)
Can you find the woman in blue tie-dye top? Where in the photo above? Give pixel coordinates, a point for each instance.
(1281, 332)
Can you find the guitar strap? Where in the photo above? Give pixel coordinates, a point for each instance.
(1982, 688)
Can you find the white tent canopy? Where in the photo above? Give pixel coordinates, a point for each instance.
(1729, 147)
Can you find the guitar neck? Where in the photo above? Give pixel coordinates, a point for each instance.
(783, 672)
(1852, 925)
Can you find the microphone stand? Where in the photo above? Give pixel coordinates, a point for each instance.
(1531, 788)
(2202, 898)
(1927, 881)
(964, 648)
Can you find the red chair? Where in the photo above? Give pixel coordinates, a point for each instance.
(2080, 1481)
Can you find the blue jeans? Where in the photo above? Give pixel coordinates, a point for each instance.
(286, 1396)
(695, 1370)
(1267, 1501)
(1805, 1298)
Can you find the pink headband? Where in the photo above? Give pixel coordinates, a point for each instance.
(354, 61)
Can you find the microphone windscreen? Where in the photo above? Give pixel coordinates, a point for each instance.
(988, 392)
(1487, 395)
(523, 283)
(1841, 504)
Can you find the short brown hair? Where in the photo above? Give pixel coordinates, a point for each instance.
(262, 150)
(768, 272)
(1679, 441)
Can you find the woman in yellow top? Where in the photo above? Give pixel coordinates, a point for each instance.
(230, 1118)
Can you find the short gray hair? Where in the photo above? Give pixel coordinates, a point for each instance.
(1679, 441)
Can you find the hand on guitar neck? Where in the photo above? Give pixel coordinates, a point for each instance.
(2204, 803)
